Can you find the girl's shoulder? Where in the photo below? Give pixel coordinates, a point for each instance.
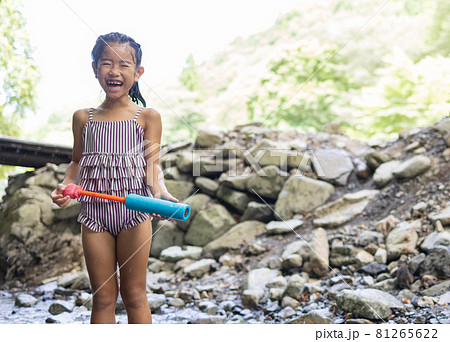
(80, 117)
(150, 116)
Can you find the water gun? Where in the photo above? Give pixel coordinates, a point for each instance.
(169, 209)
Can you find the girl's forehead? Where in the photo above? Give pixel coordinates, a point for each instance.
(118, 51)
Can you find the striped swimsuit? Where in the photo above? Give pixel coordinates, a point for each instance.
(112, 163)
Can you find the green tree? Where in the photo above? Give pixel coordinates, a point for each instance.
(303, 90)
(18, 74)
(190, 78)
(439, 32)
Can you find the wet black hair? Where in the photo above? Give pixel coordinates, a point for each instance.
(116, 37)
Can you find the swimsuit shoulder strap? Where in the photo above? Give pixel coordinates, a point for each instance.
(137, 114)
(91, 111)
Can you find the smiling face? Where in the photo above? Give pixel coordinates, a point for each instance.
(116, 70)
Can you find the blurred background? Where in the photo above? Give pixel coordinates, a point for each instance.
(373, 68)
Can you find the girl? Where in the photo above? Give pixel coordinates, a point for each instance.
(108, 156)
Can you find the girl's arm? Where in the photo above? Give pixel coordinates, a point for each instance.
(154, 173)
(72, 172)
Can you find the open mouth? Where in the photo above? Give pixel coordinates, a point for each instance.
(114, 85)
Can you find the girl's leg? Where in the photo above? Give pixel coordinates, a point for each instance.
(133, 248)
(100, 255)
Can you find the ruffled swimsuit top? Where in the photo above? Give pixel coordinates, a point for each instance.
(113, 158)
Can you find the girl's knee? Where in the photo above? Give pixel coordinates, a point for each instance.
(104, 298)
(133, 296)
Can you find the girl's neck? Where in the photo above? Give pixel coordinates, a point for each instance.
(122, 102)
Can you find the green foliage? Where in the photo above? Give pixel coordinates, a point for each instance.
(183, 128)
(303, 90)
(18, 74)
(439, 32)
(189, 76)
(406, 95)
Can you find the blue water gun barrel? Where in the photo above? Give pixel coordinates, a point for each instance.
(169, 209)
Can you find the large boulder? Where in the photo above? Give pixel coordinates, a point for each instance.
(267, 183)
(368, 303)
(301, 194)
(244, 231)
(412, 167)
(237, 200)
(254, 285)
(180, 189)
(343, 209)
(165, 234)
(332, 165)
(208, 225)
(383, 174)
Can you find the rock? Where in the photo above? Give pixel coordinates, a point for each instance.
(43, 179)
(444, 299)
(363, 257)
(257, 211)
(197, 202)
(254, 285)
(437, 289)
(244, 231)
(402, 239)
(384, 226)
(332, 165)
(279, 282)
(320, 252)
(344, 209)
(185, 162)
(415, 262)
(374, 268)
(84, 299)
(299, 247)
(267, 183)
(176, 302)
(209, 307)
(199, 268)
(280, 227)
(301, 194)
(370, 240)
(71, 212)
(230, 150)
(182, 264)
(165, 235)
(176, 253)
(436, 239)
(235, 199)
(443, 216)
(380, 256)
(436, 263)
(412, 167)
(236, 182)
(254, 248)
(289, 302)
(295, 286)
(209, 224)
(292, 261)
(385, 285)
(180, 189)
(61, 306)
(383, 174)
(155, 301)
(375, 158)
(189, 295)
(209, 136)
(206, 185)
(287, 312)
(443, 125)
(368, 303)
(322, 316)
(172, 173)
(25, 300)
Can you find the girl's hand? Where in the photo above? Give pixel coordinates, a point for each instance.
(165, 195)
(58, 197)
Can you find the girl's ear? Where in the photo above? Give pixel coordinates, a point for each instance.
(138, 73)
(95, 69)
